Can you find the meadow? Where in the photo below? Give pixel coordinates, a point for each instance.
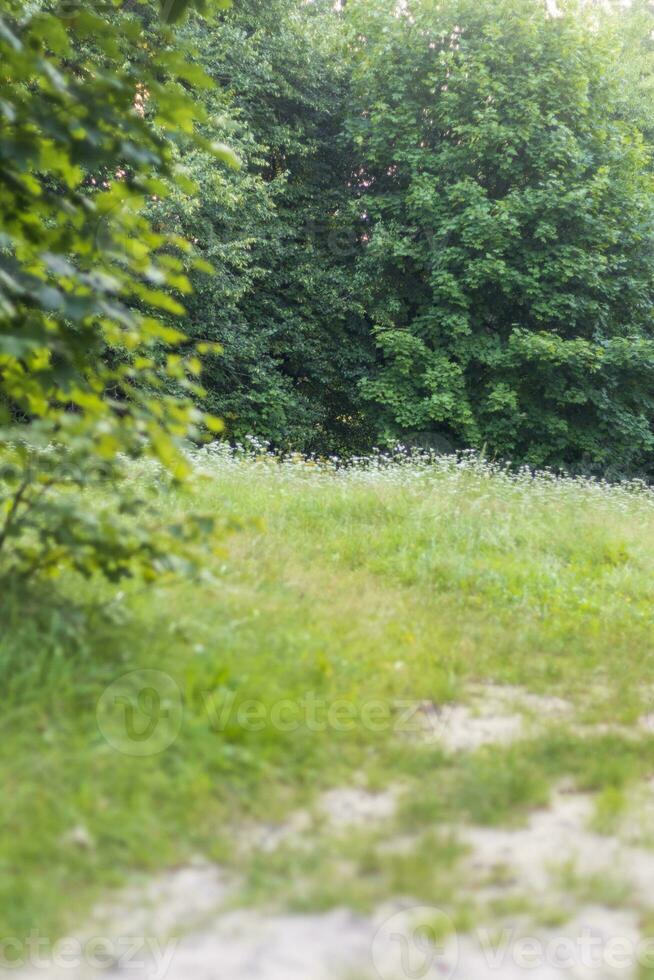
(349, 619)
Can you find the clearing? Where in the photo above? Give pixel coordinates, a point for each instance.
(404, 728)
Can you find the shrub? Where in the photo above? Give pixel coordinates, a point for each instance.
(93, 103)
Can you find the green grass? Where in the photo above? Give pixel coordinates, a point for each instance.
(344, 589)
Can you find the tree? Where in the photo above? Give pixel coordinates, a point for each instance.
(509, 274)
(279, 233)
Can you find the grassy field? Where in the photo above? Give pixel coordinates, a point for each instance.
(345, 609)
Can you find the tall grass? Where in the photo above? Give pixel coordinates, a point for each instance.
(384, 581)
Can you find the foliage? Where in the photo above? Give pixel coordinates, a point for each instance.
(278, 233)
(481, 215)
(90, 116)
(509, 275)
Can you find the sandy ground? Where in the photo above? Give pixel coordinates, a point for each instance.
(183, 925)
